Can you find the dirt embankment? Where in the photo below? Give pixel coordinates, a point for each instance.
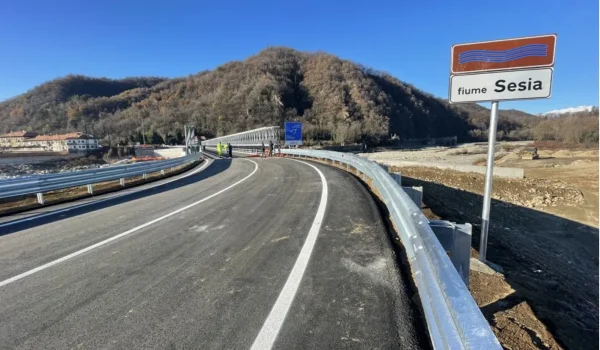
(550, 262)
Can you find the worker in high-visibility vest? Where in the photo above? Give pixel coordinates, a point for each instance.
(219, 148)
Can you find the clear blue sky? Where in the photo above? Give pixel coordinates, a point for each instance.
(41, 40)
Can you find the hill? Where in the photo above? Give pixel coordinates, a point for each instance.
(573, 126)
(335, 99)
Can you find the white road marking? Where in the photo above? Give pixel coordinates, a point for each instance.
(120, 235)
(270, 329)
(120, 194)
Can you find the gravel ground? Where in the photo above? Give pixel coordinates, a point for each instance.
(464, 154)
(550, 262)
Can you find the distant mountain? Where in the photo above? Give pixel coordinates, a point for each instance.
(336, 100)
(570, 110)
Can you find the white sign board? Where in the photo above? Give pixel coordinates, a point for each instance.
(511, 85)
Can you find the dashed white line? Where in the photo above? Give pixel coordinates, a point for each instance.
(120, 194)
(270, 329)
(120, 235)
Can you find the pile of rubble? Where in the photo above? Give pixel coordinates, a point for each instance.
(531, 193)
(537, 193)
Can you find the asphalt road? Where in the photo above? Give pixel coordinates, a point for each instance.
(246, 253)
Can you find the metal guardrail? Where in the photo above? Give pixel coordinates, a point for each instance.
(453, 318)
(38, 184)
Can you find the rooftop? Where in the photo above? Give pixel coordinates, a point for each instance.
(61, 137)
(22, 133)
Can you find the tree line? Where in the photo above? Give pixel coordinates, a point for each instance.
(337, 101)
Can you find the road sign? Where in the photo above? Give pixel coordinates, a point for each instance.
(508, 54)
(501, 86)
(500, 70)
(293, 133)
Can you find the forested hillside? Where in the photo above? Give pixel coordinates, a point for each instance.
(335, 99)
(577, 127)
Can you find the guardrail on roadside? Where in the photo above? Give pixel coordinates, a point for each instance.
(38, 184)
(453, 318)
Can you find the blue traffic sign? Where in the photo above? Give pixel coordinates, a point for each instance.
(293, 133)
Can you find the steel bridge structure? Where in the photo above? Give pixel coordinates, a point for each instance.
(247, 139)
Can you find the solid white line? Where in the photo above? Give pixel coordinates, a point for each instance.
(270, 329)
(120, 194)
(94, 246)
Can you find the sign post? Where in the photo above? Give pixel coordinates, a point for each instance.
(489, 176)
(293, 133)
(500, 70)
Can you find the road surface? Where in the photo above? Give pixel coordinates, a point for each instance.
(238, 254)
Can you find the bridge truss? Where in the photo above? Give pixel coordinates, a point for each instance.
(250, 138)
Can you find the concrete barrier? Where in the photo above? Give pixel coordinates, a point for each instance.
(517, 173)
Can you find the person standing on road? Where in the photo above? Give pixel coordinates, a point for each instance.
(262, 155)
(271, 148)
(219, 148)
(230, 150)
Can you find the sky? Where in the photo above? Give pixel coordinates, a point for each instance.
(42, 40)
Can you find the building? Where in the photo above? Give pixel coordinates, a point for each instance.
(71, 142)
(15, 139)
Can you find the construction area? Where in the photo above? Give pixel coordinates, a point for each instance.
(543, 234)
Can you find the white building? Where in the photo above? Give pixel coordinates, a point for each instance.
(72, 142)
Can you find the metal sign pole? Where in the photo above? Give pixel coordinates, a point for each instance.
(186, 131)
(489, 175)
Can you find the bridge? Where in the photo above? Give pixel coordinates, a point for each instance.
(311, 250)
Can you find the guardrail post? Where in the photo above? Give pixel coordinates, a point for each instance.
(397, 177)
(416, 194)
(90, 188)
(40, 198)
(122, 182)
(456, 241)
